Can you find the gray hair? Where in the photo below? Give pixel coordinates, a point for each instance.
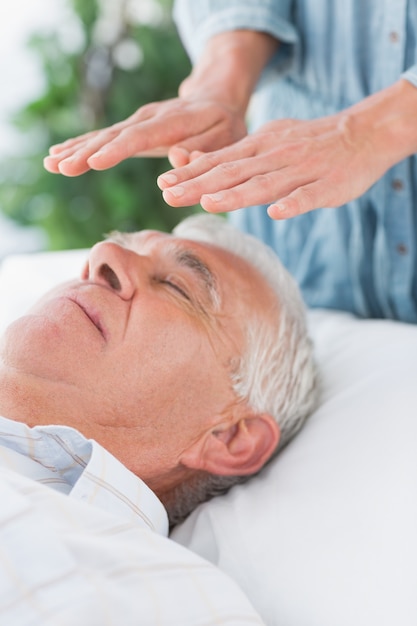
(277, 372)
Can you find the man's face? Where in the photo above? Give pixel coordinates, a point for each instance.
(137, 354)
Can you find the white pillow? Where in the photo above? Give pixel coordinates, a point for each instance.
(326, 536)
(25, 277)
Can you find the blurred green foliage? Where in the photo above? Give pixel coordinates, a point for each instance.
(93, 87)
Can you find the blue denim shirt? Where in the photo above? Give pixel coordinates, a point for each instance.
(361, 257)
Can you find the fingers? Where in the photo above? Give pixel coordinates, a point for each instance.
(258, 190)
(301, 200)
(62, 151)
(226, 186)
(198, 163)
(221, 171)
(297, 195)
(178, 156)
(243, 183)
(222, 177)
(72, 157)
(72, 142)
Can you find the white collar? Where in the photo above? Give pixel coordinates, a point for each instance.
(93, 474)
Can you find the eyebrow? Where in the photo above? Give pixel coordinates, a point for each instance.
(189, 259)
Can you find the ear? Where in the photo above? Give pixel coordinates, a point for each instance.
(235, 450)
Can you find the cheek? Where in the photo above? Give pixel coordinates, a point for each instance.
(55, 349)
(172, 370)
(162, 357)
(163, 338)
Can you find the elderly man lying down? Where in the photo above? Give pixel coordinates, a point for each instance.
(176, 366)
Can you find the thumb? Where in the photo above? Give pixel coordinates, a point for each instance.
(189, 149)
(195, 154)
(178, 156)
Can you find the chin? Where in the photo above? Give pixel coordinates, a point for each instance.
(38, 346)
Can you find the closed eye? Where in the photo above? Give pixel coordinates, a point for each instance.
(176, 287)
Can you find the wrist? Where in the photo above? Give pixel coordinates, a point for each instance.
(388, 119)
(229, 68)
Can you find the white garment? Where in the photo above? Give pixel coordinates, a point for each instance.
(82, 542)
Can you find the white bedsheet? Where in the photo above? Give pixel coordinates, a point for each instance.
(66, 563)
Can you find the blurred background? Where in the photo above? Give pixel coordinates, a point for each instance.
(67, 67)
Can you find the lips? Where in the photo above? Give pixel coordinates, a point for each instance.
(90, 312)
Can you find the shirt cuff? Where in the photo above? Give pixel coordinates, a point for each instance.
(198, 22)
(411, 75)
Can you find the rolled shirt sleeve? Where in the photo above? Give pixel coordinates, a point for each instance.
(411, 75)
(197, 22)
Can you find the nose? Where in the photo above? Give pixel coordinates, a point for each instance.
(113, 266)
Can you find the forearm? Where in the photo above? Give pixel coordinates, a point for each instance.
(229, 68)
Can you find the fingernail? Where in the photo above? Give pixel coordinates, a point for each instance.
(214, 197)
(169, 179)
(99, 153)
(176, 191)
(275, 211)
(278, 208)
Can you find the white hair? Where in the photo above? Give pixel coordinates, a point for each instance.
(276, 373)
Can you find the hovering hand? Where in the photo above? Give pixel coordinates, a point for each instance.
(294, 166)
(174, 127)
